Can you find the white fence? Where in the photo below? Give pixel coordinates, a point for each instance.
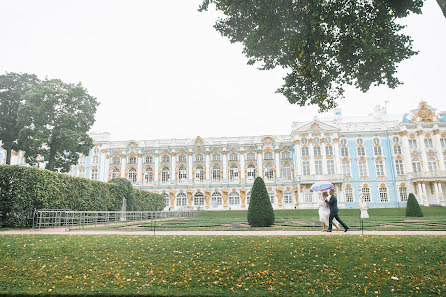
(53, 218)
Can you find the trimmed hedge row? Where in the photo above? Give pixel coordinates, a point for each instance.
(23, 189)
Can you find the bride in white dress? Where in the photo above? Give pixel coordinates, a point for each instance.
(324, 212)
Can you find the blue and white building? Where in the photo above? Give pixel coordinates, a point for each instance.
(377, 157)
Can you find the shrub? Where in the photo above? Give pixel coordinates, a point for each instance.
(260, 210)
(125, 191)
(413, 208)
(23, 189)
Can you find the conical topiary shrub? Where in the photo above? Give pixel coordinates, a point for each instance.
(413, 208)
(260, 210)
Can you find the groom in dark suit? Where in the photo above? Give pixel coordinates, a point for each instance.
(333, 204)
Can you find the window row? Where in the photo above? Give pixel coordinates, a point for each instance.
(305, 151)
(383, 194)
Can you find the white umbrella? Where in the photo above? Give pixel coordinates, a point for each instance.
(321, 186)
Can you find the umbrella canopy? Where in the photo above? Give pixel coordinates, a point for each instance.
(321, 186)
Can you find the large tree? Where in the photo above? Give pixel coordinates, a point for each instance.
(56, 118)
(324, 44)
(13, 86)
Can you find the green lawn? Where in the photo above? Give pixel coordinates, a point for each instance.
(301, 219)
(223, 265)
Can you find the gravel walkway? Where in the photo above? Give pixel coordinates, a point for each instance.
(62, 231)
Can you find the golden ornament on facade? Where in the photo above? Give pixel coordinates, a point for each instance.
(424, 114)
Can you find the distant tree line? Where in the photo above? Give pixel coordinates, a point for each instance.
(47, 119)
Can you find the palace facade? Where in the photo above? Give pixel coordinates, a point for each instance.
(374, 157)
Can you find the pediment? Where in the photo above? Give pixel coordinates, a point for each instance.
(314, 126)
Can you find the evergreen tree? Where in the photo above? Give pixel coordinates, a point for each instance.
(413, 208)
(260, 210)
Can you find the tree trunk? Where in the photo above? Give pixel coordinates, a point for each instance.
(8, 156)
(442, 4)
(50, 164)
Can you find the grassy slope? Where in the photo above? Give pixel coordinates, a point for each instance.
(229, 266)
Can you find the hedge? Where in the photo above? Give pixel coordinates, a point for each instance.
(413, 209)
(260, 210)
(23, 189)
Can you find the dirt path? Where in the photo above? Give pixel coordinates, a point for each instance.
(62, 231)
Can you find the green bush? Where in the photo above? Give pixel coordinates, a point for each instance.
(23, 189)
(260, 210)
(125, 190)
(413, 208)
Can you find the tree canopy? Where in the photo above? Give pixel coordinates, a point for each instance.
(13, 86)
(55, 118)
(324, 44)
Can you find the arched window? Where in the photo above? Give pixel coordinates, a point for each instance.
(269, 172)
(233, 173)
(166, 199)
(199, 174)
(251, 173)
(148, 159)
(165, 175)
(376, 141)
(132, 160)
(383, 195)
(399, 167)
(360, 141)
(286, 172)
(94, 174)
(268, 156)
(216, 200)
(304, 140)
(365, 194)
(286, 155)
(216, 173)
(250, 156)
(396, 139)
(362, 169)
(288, 197)
(165, 159)
(132, 175)
(181, 200)
(316, 140)
(182, 174)
(349, 195)
(328, 139)
(343, 141)
(116, 173)
(96, 150)
(432, 164)
(148, 175)
(182, 158)
(234, 198)
(199, 199)
(416, 165)
(116, 160)
(346, 168)
(199, 158)
(233, 157)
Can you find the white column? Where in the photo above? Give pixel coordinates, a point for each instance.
(312, 159)
(440, 192)
(123, 164)
(189, 166)
(324, 159)
(139, 170)
(436, 192)
(420, 193)
(173, 163)
(242, 166)
(277, 159)
(425, 200)
(407, 160)
(259, 163)
(438, 148)
(225, 165)
(337, 157)
(420, 143)
(157, 167)
(106, 168)
(208, 164)
(297, 160)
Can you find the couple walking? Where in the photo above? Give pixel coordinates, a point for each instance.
(328, 211)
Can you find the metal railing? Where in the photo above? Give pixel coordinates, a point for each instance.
(53, 218)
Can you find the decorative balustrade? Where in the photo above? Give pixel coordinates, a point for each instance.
(427, 174)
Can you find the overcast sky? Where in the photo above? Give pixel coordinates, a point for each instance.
(160, 70)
